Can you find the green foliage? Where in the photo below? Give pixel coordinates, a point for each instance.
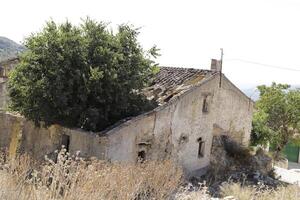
(9, 49)
(261, 134)
(277, 116)
(82, 76)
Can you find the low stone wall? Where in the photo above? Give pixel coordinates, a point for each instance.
(3, 94)
(19, 135)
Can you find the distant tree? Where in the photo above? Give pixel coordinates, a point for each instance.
(277, 116)
(82, 76)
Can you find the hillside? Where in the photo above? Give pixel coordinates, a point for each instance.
(9, 48)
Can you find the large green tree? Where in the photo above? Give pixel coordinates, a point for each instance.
(277, 116)
(83, 76)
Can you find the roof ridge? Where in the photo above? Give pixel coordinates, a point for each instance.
(184, 68)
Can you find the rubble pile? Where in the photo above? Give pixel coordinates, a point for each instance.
(231, 162)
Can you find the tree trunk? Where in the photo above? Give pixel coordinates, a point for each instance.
(280, 146)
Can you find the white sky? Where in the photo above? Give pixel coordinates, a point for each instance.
(189, 33)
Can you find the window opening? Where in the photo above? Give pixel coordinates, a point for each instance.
(205, 105)
(201, 147)
(66, 142)
(141, 156)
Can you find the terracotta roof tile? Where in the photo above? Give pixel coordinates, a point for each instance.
(172, 81)
(169, 77)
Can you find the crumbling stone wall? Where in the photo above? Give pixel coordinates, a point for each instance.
(218, 158)
(229, 155)
(3, 94)
(19, 135)
(5, 130)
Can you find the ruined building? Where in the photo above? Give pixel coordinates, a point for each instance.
(194, 106)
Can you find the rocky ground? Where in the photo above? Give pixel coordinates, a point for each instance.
(232, 163)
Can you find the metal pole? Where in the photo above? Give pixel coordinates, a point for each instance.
(221, 65)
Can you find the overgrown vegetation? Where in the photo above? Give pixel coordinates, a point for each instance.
(71, 177)
(277, 118)
(82, 76)
(232, 162)
(260, 192)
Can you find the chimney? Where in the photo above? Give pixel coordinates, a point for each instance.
(215, 65)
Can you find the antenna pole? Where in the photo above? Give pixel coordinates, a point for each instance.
(221, 66)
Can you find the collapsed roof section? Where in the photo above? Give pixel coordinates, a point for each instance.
(173, 81)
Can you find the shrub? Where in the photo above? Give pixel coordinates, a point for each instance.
(71, 177)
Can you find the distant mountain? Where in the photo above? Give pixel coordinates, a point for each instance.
(9, 49)
(253, 93)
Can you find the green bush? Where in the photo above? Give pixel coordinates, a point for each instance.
(82, 76)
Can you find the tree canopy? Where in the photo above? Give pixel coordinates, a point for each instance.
(277, 116)
(83, 76)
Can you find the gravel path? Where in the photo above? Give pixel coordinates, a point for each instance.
(289, 176)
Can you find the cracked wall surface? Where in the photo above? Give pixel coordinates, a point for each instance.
(171, 131)
(18, 135)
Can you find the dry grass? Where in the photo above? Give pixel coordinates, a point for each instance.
(190, 193)
(73, 178)
(260, 192)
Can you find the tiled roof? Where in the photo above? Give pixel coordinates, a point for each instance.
(169, 77)
(169, 83)
(172, 81)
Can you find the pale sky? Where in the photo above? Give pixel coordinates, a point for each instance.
(189, 33)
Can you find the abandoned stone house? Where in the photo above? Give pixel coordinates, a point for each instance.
(194, 106)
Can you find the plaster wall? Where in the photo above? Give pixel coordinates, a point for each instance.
(87, 143)
(189, 124)
(169, 132)
(123, 141)
(174, 130)
(233, 112)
